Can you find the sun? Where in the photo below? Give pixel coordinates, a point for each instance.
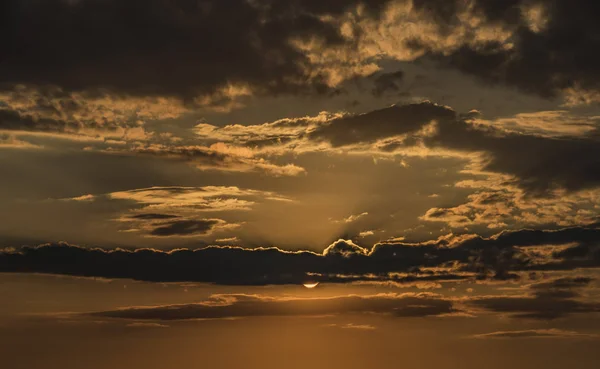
(311, 285)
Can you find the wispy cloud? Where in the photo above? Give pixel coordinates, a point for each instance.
(536, 334)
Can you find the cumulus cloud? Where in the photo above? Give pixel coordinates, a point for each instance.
(345, 249)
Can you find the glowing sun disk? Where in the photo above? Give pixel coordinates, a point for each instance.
(311, 285)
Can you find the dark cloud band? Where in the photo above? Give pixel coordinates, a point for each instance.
(232, 306)
(501, 257)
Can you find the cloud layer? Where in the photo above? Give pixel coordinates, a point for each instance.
(190, 49)
(233, 306)
(500, 257)
(174, 48)
(541, 153)
(549, 300)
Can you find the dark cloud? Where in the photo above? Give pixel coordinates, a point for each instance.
(539, 164)
(563, 283)
(553, 47)
(169, 225)
(99, 116)
(387, 83)
(507, 252)
(200, 154)
(185, 227)
(13, 120)
(216, 157)
(501, 257)
(187, 48)
(144, 325)
(162, 47)
(584, 253)
(153, 216)
(231, 306)
(542, 308)
(548, 300)
(378, 124)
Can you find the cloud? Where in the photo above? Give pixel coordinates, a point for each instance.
(361, 327)
(216, 157)
(550, 50)
(188, 227)
(503, 256)
(366, 234)
(232, 306)
(281, 136)
(170, 202)
(203, 46)
(54, 113)
(152, 216)
(562, 283)
(545, 48)
(538, 164)
(146, 325)
(387, 83)
(378, 124)
(548, 300)
(345, 249)
(542, 153)
(352, 218)
(536, 333)
(497, 203)
(180, 211)
(9, 141)
(553, 123)
(229, 240)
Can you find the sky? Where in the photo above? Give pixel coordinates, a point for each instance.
(176, 174)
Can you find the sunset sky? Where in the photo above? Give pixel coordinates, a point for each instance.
(174, 172)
